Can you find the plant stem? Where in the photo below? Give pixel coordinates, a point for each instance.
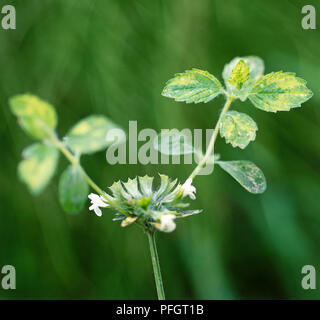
(210, 149)
(156, 265)
(75, 161)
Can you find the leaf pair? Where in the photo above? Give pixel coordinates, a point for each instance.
(38, 118)
(277, 91)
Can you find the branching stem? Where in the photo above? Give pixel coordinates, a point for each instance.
(150, 233)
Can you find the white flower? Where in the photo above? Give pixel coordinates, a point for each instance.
(167, 223)
(97, 202)
(189, 189)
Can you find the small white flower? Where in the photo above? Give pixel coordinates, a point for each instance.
(97, 202)
(189, 189)
(167, 223)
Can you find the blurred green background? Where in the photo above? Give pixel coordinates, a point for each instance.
(113, 57)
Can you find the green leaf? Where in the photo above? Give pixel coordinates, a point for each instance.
(238, 129)
(173, 142)
(255, 64)
(256, 69)
(38, 167)
(246, 173)
(73, 189)
(239, 75)
(193, 86)
(37, 117)
(90, 134)
(279, 91)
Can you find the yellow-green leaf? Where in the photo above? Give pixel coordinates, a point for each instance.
(255, 64)
(256, 69)
(238, 129)
(38, 167)
(37, 117)
(246, 173)
(73, 189)
(90, 134)
(239, 75)
(193, 86)
(279, 91)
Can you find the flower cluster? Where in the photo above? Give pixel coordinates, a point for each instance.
(137, 201)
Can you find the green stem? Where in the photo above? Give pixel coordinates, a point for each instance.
(210, 149)
(75, 161)
(156, 265)
(151, 234)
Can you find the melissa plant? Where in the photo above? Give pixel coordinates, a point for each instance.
(137, 201)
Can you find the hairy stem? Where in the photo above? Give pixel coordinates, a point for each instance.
(156, 265)
(210, 149)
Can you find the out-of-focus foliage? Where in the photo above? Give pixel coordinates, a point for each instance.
(73, 189)
(35, 116)
(89, 135)
(116, 63)
(38, 166)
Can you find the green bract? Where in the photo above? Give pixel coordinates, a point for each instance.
(193, 86)
(238, 129)
(147, 205)
(38, 167)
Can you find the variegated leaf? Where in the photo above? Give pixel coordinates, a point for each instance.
(256, 69)
(255, 64)
(37, 117)
(247, 174)
(279, 91)
(193, 86)
(239, 75)
(238, 129)
(90, 134)
(38, 167)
